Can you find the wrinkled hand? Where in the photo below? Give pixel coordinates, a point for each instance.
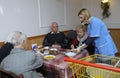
(40, 46)
(79, 49)
(74, 50)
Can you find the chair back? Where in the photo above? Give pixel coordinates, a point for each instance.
(71, 34)
(70, 37)
(9, 74)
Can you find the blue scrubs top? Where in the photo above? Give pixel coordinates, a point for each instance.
(104, 43)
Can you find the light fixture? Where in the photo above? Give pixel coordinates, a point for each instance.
(105, 5)
(105, 1)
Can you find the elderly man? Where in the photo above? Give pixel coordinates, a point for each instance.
(20, 61)
(55, 38)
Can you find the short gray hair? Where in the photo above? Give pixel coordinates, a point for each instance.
(16, 37)
(54, 23)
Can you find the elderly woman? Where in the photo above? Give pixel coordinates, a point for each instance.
(20, 61)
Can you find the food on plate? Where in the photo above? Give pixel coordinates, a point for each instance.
(54, 51)
(49, 57)
(46, 48)
(46, 52)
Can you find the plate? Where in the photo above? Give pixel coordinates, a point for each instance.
(46, 48)
(54, 51)
(70, 54)
(49, 57)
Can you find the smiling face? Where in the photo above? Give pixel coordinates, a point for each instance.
(81, 30)
(80, 33)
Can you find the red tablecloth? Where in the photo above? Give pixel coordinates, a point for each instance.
(60, 67)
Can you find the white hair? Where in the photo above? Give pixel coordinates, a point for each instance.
(16, 37)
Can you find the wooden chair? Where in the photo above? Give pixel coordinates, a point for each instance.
(9, 74)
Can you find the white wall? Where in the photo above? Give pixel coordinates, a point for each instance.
(29, 16)
(19, 15)
(26, 16)
(95, 8)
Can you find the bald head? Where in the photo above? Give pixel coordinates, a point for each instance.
(54, 27)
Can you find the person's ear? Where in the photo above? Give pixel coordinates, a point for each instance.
(23, 42)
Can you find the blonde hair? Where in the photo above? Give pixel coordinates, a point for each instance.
(85, 13)
(81, 26)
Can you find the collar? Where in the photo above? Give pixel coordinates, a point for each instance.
(54, 33)
(16, 50)
(87, 22)
(83, 38)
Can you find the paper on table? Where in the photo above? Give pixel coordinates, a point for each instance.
(70, 54)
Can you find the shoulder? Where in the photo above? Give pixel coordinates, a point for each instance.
(29, 53)
(93, 18)
(7, 45)
(48, 34)
(60, 32)
(33, 56)
(6, 48)
(96, 21)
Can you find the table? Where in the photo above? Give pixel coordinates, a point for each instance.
(60, 67)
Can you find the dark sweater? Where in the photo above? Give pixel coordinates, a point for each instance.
(5, 50)
(58, 38)
(89, 40)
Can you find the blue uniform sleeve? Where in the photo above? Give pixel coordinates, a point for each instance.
(94, 28)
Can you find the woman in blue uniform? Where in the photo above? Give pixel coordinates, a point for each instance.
(98, 33)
